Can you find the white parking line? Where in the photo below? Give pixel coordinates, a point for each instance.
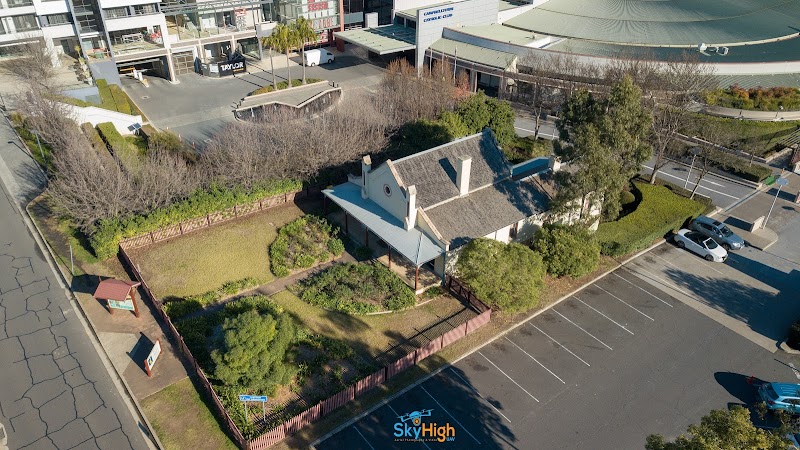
(624, 302)
(701, 262)
(448, 413)
(398, 416)
(477, 392)
(541, 133)
(639, 287)
(507, 376)
(684, 179)
(582, 329)
(662, 280)
(536, 360)
(599, 312)
(362, 437)
(559, 344)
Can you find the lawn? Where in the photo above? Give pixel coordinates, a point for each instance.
(368, 335)
(525, 148)
(763, 138)
(204, 260)
(182, 420)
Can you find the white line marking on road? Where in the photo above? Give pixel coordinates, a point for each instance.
(684, 179)
(536, 360)
(559, 344)
(794, 369)
(581, 328)
(448, 413)
(715, 184)
(362, 437)
(673, 265)
(640, 288)
(398, 416)
(541, 133)
(624, 302)
(507, 376)
(601, 313)
(663, 281)
(477, 392)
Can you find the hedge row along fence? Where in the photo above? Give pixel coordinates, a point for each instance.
(202, 209)
(316, 412)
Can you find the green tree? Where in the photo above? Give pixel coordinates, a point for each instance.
(606, 140)
(454, 125)
(501, 120)
(253, 350)
(285, 40)
(479, 111)
(567, 250)
(721, 430)
(475, 112)
(507, 277)
(271, 42)
(304, 33)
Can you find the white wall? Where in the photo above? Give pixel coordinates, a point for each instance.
(132, 22)
(395, 204)
(96, 115)
(526, 228)
(43, 8)
(431, 21)
(118, 3)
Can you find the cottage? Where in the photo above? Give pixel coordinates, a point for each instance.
(426, 206)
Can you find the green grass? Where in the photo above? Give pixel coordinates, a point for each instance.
(283, 85)
(112, 98)
(525, 148)
(747, 135)
(206, 259)
(659, 212)
(183, 421)
(757, 98)
(368, 335)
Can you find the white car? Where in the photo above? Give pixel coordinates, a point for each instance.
(702, 245)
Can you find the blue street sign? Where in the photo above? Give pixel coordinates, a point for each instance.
(253, 398)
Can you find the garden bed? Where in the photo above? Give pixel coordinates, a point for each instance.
(526, 148)
(282, 85)
(303, 243)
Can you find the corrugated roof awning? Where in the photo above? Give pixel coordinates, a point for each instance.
(413, 244)
(381, 40)
(472, 53)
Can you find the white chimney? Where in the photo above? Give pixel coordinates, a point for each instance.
(554, 163)
(366, 166)
(411, 210)
(462, 175)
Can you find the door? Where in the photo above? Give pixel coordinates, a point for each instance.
(184, 62)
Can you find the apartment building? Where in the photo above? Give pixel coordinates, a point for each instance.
(169, 38)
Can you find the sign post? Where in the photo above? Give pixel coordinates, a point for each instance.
(152, 358)
(254, 398)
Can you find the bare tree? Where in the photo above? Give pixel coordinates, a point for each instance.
(33, 64)
(709, 154)
(53, 121)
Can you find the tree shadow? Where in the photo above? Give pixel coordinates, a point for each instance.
(739, 386)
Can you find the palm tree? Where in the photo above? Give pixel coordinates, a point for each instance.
(305, 33)
(271, 43)
(285, 41)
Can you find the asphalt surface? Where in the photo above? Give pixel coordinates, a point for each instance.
(618, 361)
(55, 391)
(526, 126)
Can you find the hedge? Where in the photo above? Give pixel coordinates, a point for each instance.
(180, 307)
(120, 99)
(283, 85)
(106, 98)
(659, 212)
(125, 151)
(109, 232)
(94, 137)
(742, 168)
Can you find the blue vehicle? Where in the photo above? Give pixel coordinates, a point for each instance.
(781, 396)
(416, 416)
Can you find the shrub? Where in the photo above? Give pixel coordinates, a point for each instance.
(106, 98)
(363, 253)
(302, 243)
(507, 277)
(433, 292)
(94, 137)
(283, 85)
(336, 246)
(567, 250)
(757, 98)
(124, 150)
(794, 336)
(180, 307)
(659, 212)
(626, 198)
(357, 288)
(120, 99)
(454, 125)
(109, 232)
(742, 168)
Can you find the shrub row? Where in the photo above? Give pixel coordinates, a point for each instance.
(125, 151)
(120, 99)
(742, 168)
(180, 307)
(94, 137)
(109, 232)
(282, 85)
(302, 243)
(659, 212)
(356, 288)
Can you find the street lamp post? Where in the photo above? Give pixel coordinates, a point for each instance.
(695, 152)
(780, 109)
(36, 133)
(781, 182)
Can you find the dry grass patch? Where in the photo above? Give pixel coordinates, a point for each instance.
(204, 260)
(182, 420)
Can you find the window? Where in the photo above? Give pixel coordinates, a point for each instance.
(2, 27)
(114, 13)
(387, 190)
(19, 3)
(144, 9)
(56, 19)
(25, 23)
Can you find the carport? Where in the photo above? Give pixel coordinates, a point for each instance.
(381, 40)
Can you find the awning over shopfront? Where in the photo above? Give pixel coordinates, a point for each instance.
(462, 51)
(381, 40)
(413, 244)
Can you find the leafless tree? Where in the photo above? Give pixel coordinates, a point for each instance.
(162, 178)
(53, 121)
(709, 154)
(33, 65)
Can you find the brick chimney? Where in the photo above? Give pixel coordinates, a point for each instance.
(462, 175)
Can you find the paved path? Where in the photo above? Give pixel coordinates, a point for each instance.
(763, 116)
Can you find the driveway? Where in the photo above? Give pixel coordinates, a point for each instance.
(199, 107)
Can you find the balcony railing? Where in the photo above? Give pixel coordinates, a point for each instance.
(19, 3)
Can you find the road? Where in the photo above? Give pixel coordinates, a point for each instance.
(526, 126)
(56, 392)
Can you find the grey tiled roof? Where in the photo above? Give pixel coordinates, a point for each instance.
(487, 210)
(433, 172)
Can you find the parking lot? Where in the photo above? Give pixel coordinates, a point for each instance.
(626, 357)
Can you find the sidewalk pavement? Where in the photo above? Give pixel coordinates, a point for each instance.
(763, 116)
(758, 205)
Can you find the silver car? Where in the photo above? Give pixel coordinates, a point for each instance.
(719, 231)
(700, 244)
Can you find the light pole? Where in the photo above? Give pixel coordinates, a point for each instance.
(695, 152)
(36, 133)
(780, 109)
(781, 182)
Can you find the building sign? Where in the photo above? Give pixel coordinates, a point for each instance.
(437, 14)
(230, 68)
(317, 5)
(126, 304)
(241, 18)
(325, 23)
(252, 398)
(152, 358)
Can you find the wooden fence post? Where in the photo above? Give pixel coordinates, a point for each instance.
(208, 220)
(180, 227)
(152, 239)
(235, 213)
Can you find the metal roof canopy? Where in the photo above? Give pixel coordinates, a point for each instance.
(462, 51)
(381, 40)
(413, 244)
(412, 12)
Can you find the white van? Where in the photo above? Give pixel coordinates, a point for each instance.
(317, 56)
